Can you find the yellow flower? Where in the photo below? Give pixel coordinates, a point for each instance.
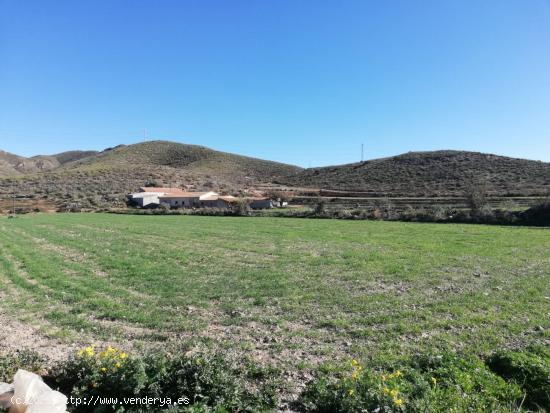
(88, 351)
(397, 373)
(434, 381)
(393, 393)
(386, 390)
(123, 355)
(350, 392)
(354, 362)
(103, 369)
(384, 378)
(117, 365)
(398, 402)
(354, 376)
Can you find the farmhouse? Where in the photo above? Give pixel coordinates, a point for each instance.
(178, 198)
(187, 199)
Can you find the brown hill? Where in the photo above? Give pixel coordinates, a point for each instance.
(439, 173)
(14, 165)
(104, 178)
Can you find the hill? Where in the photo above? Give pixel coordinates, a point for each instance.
(431, 174)
(94, 179)
(15, 165)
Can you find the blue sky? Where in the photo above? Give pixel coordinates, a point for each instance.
(300, 81)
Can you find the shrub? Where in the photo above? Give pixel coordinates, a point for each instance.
(27, 360)
(109, 373)
(437, 384)
(320, 207)
(537, 215)
(207, 381)
(241, 207)
(477, 196)
(529, 369)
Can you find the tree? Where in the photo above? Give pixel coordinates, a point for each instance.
(477, 196)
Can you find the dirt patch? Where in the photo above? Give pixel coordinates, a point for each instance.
(18, 336)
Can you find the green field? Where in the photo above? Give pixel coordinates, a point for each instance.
(292, 292)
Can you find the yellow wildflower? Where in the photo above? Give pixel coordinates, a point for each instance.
(434, 381)
(386, 390)
(117, 365)
(397, 374)
(103, 369)
(354, 362)
(123, 355)
(393, 393)
(384, 378)
(350, 392)
(398, 402)
(354, 376)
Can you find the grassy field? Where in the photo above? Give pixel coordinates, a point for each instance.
(285, 291)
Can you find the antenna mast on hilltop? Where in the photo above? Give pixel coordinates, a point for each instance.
(145, 135)
(362, 151)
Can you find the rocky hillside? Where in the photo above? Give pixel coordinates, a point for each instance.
(439, 173)
(14, 165)
(98, 179)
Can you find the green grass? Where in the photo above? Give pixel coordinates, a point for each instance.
(282, 290)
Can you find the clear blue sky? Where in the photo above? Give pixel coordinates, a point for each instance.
(299, 81)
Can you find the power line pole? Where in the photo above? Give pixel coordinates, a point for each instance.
(13, 198)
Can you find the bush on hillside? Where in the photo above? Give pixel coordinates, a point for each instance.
(537, 215)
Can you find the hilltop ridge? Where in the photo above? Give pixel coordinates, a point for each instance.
(102, 179)
(435, 173)
(97, 179)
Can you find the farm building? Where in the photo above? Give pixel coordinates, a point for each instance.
(178, 198)
(187, 199)
(261, 203)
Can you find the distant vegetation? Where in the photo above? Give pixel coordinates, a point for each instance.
(94, 180)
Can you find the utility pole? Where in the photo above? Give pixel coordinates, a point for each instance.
(13, 198)
(362, 149)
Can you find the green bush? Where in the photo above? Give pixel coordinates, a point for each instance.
(529, 369)
(27, 360)
(109, 373)
(209, 382)
(438, 384)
